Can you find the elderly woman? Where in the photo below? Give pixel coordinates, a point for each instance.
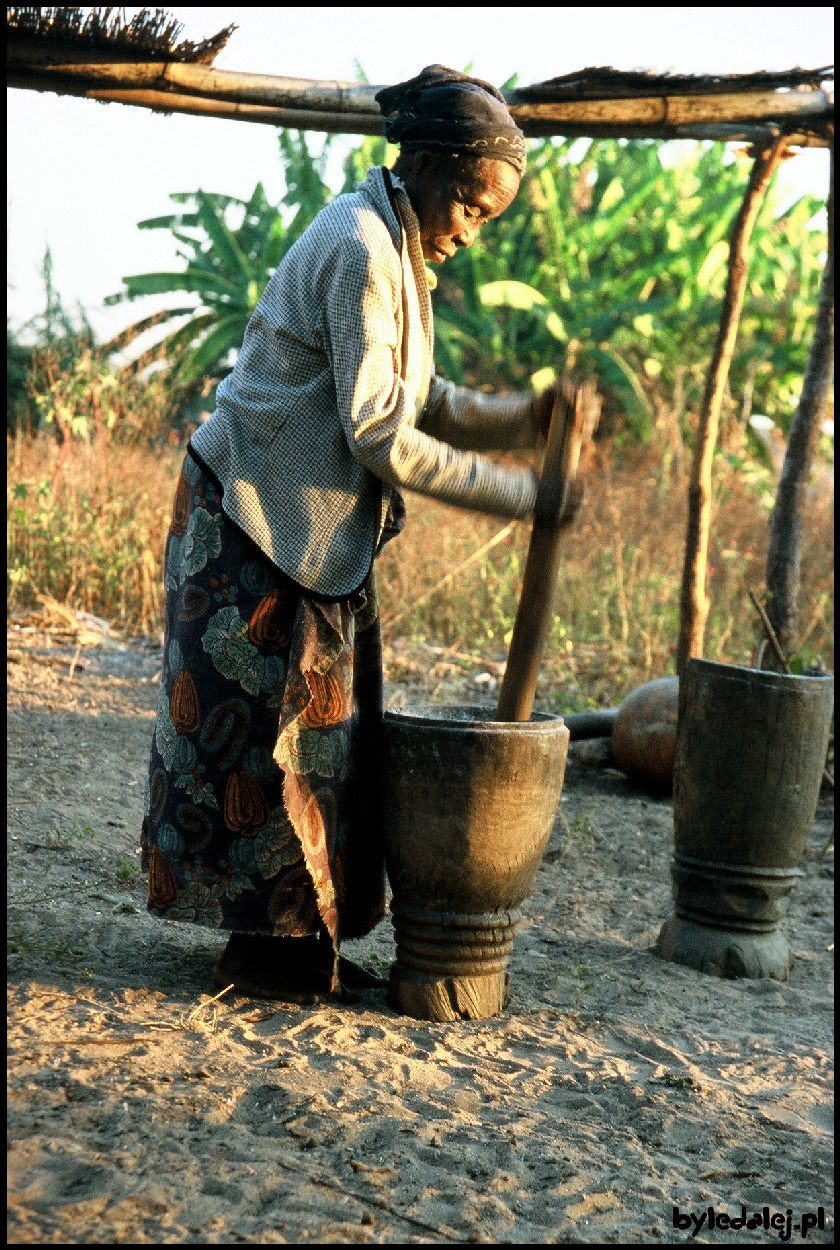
(261, 816)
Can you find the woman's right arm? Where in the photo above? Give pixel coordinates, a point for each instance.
(376, 408)
(470, 419)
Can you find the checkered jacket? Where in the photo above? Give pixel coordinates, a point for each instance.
(333, 400)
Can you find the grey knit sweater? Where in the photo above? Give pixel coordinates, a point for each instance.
(333, 400)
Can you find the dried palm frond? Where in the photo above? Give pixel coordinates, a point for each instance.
(153, 32)
(605, 82)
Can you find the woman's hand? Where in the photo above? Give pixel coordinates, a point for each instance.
(542, 407)
(560, 510)
(576, 406)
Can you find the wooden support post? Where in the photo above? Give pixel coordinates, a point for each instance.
(573, 421)
(694, 603)
(786, 518)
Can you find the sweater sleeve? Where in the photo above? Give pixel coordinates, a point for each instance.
(376, 409)
(468, 419)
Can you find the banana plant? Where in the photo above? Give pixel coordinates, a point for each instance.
(226, 266)
(613, 262)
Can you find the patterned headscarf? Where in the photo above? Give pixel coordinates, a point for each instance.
(442, 110)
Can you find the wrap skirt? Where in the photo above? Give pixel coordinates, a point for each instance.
(261, 807)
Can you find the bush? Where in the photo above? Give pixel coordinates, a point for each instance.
(85, 398)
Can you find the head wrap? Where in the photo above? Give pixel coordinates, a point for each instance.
(442, 110)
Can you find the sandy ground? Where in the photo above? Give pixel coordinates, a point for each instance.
(615, 1088)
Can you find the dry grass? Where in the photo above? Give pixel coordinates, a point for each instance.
(87, 524)
(617, 604)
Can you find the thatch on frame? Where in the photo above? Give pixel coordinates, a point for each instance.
(607, 83)
(151, 32)
(100, 57)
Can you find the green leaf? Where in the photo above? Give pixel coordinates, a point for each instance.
(235, 264)
(611, 196)
(224, 201)
(510, 294)
(182, 220)
(189, 279)
(175, 344)
(555, 327)
(716, 258)
(224, 337)
(644, 325)
(632, 379)
(274, 246)
(675, 235)
(543, 378)
(132, 332)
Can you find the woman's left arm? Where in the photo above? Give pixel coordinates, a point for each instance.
(472, 421)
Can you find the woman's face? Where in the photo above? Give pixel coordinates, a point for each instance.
(451, 210)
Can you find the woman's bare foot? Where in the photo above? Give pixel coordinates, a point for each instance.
(291, 970)
(355, 977)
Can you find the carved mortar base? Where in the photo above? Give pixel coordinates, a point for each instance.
(451, 966)
(727, 919)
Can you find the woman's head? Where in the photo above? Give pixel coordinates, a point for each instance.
(453, 196)
(461, 154)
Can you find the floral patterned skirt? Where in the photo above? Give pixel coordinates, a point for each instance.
(261, 815)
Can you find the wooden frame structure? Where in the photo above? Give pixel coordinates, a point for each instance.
(596, 103)
(99, 57)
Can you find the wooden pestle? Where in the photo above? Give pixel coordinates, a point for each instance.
(573, 421)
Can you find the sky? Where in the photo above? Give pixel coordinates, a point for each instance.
(81, 174)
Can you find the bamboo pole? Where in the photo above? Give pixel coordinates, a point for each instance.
(786, 518)
(344, 97)
(756, 133)
(97, 67)
(749, 134)
(200, 106)
(322, 104)
(747, 106)
(694, 602)
(368, 124)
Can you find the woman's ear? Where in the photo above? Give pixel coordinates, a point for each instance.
(421, 163)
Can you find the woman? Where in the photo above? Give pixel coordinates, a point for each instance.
(260, 815)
